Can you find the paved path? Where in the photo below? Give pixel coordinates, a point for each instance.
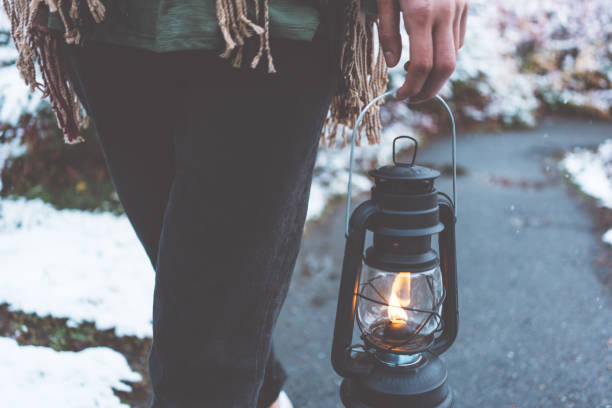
(536, 321)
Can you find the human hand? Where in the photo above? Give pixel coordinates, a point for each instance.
(436, 29)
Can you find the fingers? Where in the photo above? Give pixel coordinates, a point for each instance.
(436, 30)
(389, 31)
(444, 61)
(421, 56)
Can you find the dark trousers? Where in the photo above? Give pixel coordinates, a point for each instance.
(213, 166)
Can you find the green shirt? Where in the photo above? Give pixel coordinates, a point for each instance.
(173, 25)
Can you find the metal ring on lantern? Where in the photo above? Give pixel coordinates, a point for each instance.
(393, 93)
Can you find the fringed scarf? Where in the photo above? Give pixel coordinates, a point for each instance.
(364, 72)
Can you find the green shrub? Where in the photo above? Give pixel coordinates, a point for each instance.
(66, 176)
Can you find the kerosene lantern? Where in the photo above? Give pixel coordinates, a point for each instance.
(402, 293)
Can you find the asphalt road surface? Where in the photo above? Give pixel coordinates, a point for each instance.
(535, 315)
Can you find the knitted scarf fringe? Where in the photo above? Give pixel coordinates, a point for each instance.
(236, 27)
(36, 44)
(364, 71)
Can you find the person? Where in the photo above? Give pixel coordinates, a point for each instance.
(210, 116)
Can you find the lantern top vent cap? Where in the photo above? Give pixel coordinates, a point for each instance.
(403, 172)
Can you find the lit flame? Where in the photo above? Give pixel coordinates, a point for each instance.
(400, 297)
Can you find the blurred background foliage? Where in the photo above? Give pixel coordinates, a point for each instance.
(67, 176)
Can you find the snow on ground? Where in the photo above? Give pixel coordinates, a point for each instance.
(592, 173)
(33, 376)
(79, 265)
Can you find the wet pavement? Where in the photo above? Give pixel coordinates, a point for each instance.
(535, 317)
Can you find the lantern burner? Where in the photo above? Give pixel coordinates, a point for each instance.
(399, 360)
(404, 336)
(412, 335)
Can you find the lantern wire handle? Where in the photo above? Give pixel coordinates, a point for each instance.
(393, 93)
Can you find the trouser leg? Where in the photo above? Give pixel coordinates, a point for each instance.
(135, 127)
(134, 123)
(245, 152)
(132, 102)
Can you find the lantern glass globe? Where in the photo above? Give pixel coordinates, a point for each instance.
(400, 311)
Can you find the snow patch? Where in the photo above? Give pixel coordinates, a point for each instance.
(15, 98)
(32, 376)
(607, 237)
(592, 171)
(74, 264)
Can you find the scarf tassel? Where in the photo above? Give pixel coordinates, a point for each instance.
(236, 27)
(364, 72)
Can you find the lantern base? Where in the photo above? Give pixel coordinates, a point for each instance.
(420, 386)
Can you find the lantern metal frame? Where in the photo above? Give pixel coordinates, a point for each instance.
(376, 376)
